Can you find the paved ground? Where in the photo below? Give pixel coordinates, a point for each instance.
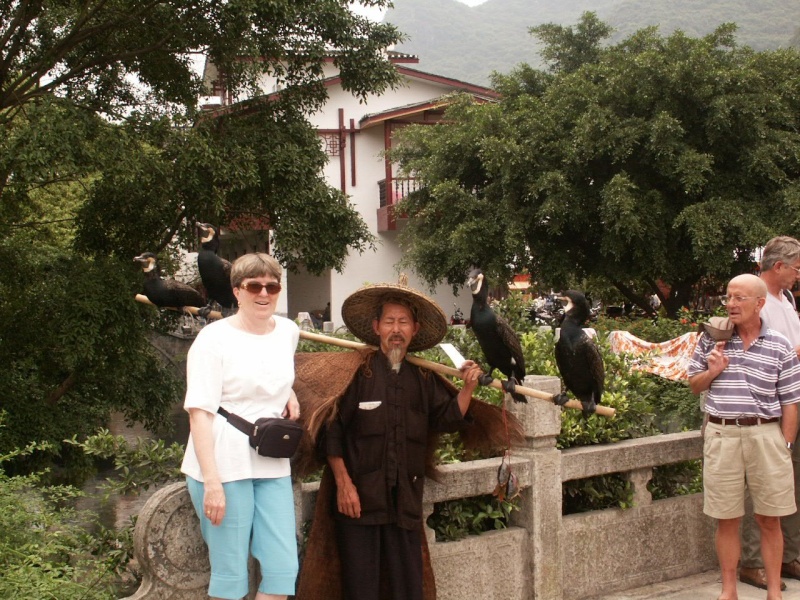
(705, 586)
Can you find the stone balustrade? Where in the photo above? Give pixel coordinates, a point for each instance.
(542, 555)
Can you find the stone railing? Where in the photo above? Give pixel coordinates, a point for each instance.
(542, 555)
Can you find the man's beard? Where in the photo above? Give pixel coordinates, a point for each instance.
(396, 358)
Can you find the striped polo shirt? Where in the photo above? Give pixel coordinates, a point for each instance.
(756, 381)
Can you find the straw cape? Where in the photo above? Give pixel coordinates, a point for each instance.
(361, 307)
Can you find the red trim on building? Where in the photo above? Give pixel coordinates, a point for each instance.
(352, 132)
(342, 142)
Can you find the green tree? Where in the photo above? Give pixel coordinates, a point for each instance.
(111, 56)
(666, 158)
(104, 155)
(566, 49)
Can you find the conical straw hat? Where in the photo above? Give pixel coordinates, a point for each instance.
(361, 308)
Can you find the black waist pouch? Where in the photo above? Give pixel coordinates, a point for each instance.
(273, 437)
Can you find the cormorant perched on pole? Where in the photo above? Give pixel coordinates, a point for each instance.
(214, 270)
(497, 339)
(166, 293)
(578, 358)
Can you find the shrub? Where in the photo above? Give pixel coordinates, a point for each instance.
(45, 550)
(645, 405)
(679, 479)
(456, 519)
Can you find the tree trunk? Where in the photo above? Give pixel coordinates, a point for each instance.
(680, 296)
(635, 298)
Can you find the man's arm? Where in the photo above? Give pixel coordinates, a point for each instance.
(789, 422)
(470, 373)
(347, 500)
(717, 363)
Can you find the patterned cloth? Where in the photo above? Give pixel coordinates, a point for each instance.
(668, 359)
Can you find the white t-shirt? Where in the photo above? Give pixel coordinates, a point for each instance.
(249, 375)
(780, 315)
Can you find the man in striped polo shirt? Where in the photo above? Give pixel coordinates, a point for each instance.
(753, 384)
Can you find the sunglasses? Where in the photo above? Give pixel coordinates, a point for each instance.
(254, 287)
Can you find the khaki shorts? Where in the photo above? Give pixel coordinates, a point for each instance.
(755, 457)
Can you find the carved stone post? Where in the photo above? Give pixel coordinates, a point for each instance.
(170, 549)
(540, 512)
(639, 479)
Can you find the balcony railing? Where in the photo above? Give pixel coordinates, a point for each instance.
(391, 194)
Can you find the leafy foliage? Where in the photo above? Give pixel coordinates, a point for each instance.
(104, 157)
(115, 56)
(72, 354)
(456, 519)
(661, 159)
(597, 493)
(45, 550)
(148, 463)
(679, 479)
(261, 168)
(645, 405)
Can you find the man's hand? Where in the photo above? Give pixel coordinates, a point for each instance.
(347, 500)
(470, 373)
(717, 361)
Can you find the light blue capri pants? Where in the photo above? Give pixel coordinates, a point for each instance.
(259, 519)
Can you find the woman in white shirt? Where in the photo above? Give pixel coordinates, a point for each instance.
(244, 364)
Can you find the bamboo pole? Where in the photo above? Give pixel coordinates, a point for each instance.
(214, 314)
(605, 411)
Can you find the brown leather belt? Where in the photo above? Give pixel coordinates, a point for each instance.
(742, 421)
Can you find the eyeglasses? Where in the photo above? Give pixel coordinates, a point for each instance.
(254, 287)
(796, 270)
(737, 299)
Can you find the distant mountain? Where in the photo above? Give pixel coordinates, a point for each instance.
(468, 43)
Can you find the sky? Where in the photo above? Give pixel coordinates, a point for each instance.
(376, 14)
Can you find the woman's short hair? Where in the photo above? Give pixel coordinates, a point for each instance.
(257, 264)
(782, 248)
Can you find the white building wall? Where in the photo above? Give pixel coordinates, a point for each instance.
(307, 292)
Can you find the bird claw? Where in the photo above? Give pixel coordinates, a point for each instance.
(485, 379)
(510, 386)
(589, 408)
(204, 312)
(560, 399)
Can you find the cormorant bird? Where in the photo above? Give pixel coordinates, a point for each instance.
(214, 270)
(578, 358)
(497, 339)
(166, 292)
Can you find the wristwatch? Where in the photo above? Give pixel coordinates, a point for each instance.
(790, 445)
